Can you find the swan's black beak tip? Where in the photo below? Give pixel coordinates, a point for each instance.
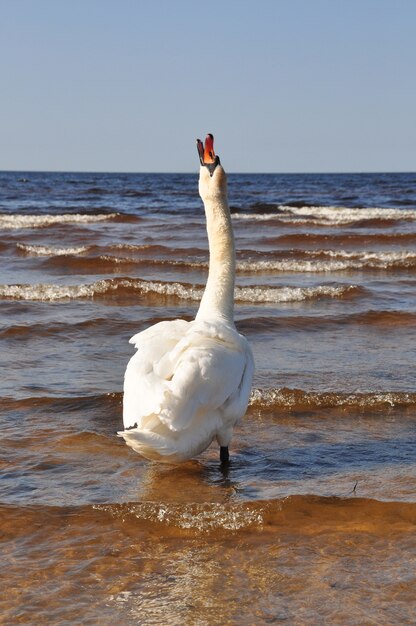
(200, 148)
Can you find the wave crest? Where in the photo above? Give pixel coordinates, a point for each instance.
(39, 221)
(284, 399)
(292, 514)
(280, 261)
(50, 250)
(294, 511)
(300, 400)
(183, 291)
(328, 215)
(199, 517)
(333, 261)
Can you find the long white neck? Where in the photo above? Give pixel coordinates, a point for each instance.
(218, 298)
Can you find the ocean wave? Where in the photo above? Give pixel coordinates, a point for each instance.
(295, 260)
(39, 221)
(293, 400)
(283, 400)
(108, 258)
(336, 240)
(110, 400)
(336, 261)
(328, 214)
(159, 251)
(294, 511)
(277, 218)
(295, 294)
(108, 325)
(182, 291)
(197, 517)
(108, 263)
(51, 250)
(291, 514)
(344, 215)
(123, 286)
(247, 325)
(383, 319)
(319, 261)
(154, 248)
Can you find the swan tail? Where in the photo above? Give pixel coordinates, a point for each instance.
(150, 445)
(167, 446)
(158, 448)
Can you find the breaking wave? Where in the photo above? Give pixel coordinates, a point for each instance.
(183, 291)
(334, 261)
(292, 400)
(299, 511)
(293, 514)
(283, 399)
(17, 221)
(328, 215)
(336, 240)
(198, 517)
(50, 250)
(295, 260)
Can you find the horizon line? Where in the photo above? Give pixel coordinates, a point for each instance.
(294, 173)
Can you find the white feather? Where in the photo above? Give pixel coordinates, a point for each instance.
(182, 391)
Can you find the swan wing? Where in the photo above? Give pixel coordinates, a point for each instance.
(144, 386)
(236, 404)
(208, 367)
(161, 333)
(184, 372)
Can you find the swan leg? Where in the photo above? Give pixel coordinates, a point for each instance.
(224, 454)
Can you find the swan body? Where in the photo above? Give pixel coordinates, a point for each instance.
(189, 382)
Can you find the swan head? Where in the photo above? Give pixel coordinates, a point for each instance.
(212, 178)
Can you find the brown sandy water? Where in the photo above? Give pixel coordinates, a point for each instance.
(311, 561)
(314, 520)
(197, 544)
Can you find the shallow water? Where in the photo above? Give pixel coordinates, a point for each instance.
(314, 520)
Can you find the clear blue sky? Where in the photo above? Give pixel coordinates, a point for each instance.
(284, 85)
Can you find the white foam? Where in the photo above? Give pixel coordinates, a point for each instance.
(185, 292)
(47, 292)
(328, 215)
(337, 261)
(260, 217)
(115, 259)
(50, 292)
(50, 250)
(290, 294)
(382, 257)
(201, 517)
(344, 215)
(146, 261)
(39, 221)
(291, 398)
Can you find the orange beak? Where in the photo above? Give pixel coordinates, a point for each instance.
(209, 154)
(206, 153)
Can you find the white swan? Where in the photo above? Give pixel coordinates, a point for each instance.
(189, 382)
